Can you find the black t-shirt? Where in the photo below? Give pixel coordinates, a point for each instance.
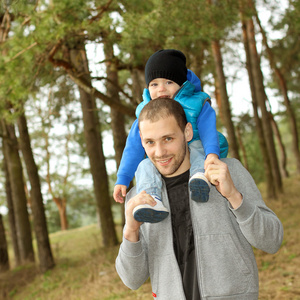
(183, 236)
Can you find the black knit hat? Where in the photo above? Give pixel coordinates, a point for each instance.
(169, 64)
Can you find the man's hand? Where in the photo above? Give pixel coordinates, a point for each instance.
(208, 158)
(218, 174)
(119, 193)
(132, 226)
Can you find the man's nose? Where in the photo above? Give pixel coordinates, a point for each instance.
(160, 150)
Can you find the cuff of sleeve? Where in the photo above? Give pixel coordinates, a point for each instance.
(131, 248)
(244, 211)
(123, 180)
(212, 150)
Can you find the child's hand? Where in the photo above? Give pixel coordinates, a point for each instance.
(119, 193)
(209, 156)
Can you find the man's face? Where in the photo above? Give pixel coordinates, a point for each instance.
(166, 145)
(162, 88)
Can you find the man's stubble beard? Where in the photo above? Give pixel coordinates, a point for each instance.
(177, 163)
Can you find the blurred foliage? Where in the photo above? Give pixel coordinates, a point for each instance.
(136, 29)
(81, 209)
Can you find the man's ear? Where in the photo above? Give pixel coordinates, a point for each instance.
(188, 132)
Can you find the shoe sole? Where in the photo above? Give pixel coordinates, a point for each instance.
(199, 190)
(150, 215)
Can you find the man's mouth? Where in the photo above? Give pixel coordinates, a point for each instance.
(164, 162)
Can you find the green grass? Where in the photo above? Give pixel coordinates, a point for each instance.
(85, 270)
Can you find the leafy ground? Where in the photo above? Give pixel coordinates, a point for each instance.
(85, 270)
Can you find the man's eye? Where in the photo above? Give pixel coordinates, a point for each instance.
(168, 139)
(149, 143)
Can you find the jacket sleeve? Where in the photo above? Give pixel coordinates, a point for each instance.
(132, 260)
(258, 223)
(132, 264)
(132, 155)
(206, 124)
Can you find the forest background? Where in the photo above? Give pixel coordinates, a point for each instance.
(72, 74)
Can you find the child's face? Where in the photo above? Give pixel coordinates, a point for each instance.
(162, 88)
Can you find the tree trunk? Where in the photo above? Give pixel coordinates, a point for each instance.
(37, 206)
(4, 261)
(117, 118)
(15, 171)
(281, 148)
(93, 140)
(218, 98)
(261, 101)
(196, 60)
(11, 214)
(4, 31)
(242, 147)
(226, 112)
(283, 87)
(271, 191)
(138, 85)
(61, 204)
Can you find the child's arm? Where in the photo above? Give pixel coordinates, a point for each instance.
(206, 124)
(132, 155)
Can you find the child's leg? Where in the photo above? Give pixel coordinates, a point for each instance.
(197, 157)
(198, 184)
(148, 179)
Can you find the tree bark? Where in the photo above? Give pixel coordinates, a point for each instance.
(281, 148)
(38, 211)
(261, 101)
(61, 204)
(117, 118)
(93, 140)
(85, 84)
(138, 85)
(15, 171)
(218, 97)
(226, 112)
(11, 214)
(284, 91)
(271, 191)
(4, 261)
(242, 147)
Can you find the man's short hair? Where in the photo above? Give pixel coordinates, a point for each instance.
(161, 108)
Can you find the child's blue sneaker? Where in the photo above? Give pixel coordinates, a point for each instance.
(150, 214)
(199, 187)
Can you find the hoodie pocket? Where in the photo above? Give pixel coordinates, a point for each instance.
(222, 268)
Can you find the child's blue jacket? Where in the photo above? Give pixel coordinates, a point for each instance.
(199, 113)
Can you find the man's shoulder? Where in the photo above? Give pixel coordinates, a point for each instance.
(232, 163)
(237, 170)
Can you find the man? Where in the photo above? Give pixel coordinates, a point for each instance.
(201, 250)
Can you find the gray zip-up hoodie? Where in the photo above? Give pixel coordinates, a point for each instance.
(223, 241)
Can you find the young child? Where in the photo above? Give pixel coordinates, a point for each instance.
(167, 76)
